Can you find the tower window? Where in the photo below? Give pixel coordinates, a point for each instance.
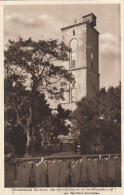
(91, 64)
(73, 53)
(73, 64)
(91, 55)
(73, 94)
(72, 98)
(73, 32)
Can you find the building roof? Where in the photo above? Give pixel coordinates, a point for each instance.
(77, 24)
(89, 15)
(73, 25)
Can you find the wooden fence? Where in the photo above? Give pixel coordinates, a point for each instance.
(62, 147)
(73, 171)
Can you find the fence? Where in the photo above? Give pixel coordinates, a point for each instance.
(62, 147)
(74, 171)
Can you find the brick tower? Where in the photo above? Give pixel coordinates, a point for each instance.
(83, 39)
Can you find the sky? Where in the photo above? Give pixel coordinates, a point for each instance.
(46, 21)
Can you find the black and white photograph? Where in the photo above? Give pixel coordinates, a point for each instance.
(62, 95)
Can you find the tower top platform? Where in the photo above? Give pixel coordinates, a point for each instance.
(87, 19)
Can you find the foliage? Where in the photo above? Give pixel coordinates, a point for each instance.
(109, 103)
(55, 125)
(14, 133)
(100, 136)
(33, 69)
(106, 104)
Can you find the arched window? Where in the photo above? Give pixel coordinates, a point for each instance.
(73, 44)
(73, 53)
(73, 92)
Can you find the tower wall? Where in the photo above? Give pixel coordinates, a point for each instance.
(80, 36)
(92, 39)
(83, 39)
(92, 61)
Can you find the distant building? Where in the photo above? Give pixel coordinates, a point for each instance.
(83, 39)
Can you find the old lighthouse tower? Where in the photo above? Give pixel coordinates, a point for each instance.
(83, 39)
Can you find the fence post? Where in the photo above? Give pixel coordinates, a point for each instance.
(61, 146)
(15, 172)
(75, 147)
(32, 176)
(47, 180)
(69, 175)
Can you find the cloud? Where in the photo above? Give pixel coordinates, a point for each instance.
(35, 25)
(109, 37)
(43, 17)
(30, 21)
(23, 19)
(109, 55)
(109, 46)
(14, 17)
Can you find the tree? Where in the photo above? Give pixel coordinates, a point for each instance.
(55, 125)
(100, 137)
(15, 134)
(114, 103)
(105, 103)
(60, 125)
(33, 68)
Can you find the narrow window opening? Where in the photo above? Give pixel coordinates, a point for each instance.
(91, 64)
(72, 98)
(73, 95)
(73, 63)
(73, 32)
